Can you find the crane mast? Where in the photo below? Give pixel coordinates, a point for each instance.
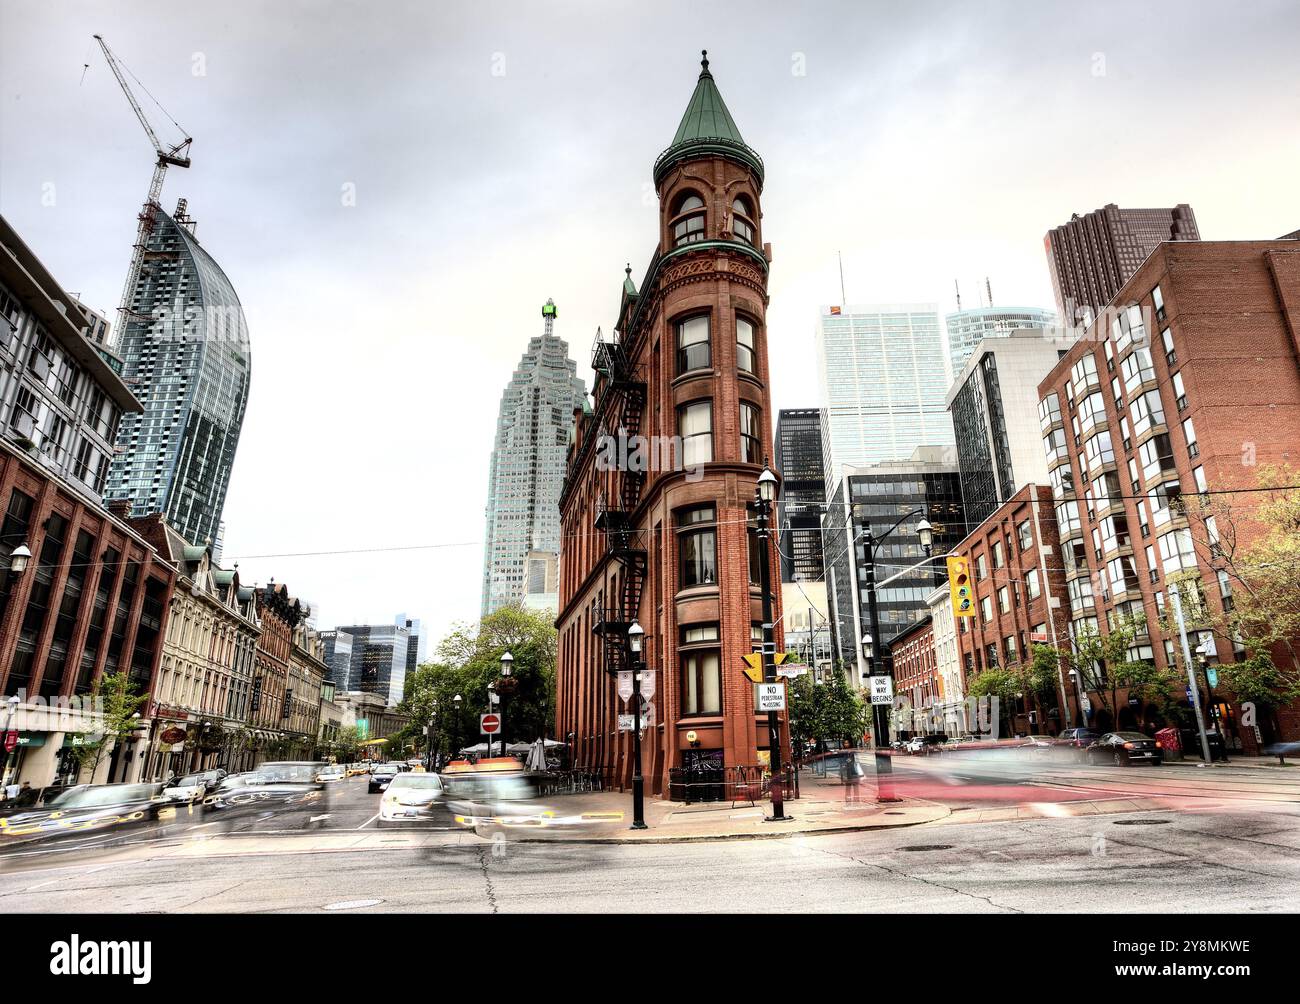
(177, 156)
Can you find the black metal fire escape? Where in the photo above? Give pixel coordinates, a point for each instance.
(626, 387)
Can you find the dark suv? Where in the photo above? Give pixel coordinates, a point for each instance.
(1074, 741)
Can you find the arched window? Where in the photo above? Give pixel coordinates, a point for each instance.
(742, 219)
(688, 220)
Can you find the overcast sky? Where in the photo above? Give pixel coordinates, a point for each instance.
(501, 154)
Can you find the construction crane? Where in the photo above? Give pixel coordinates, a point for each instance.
(173, 156)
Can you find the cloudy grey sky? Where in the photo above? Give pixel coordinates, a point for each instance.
(500, 154)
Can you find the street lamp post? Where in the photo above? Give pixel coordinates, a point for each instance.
(493, 701)
(505, 687)
(877, 667)
(764, 496)
(456, 702)
(429, 731)
(635, 642)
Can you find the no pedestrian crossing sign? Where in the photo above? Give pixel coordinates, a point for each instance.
(489, 724)
(771, 697)
(882, 690)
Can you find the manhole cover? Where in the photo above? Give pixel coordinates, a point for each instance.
(929, 847)
(1141, 822)
(353, 904)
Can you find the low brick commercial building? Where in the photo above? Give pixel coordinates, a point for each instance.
(918, 690)
(1020, 601)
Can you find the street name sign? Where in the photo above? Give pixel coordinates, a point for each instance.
(882, 690)
(789, 671)
(771, 697)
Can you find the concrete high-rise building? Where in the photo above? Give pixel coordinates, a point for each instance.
(527, 469)
(185, 353)
(967, 328)
(999, 442)
(874, 497)
(883, 372)
(798, 459)
(1093, 255)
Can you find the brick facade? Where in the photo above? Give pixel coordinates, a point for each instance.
(1183, 391)
(697, 629)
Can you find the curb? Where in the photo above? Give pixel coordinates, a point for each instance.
(691, 838)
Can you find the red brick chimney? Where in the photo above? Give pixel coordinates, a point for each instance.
(121, 508)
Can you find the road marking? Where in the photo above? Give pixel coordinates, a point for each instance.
(368, 821)
(42, 885)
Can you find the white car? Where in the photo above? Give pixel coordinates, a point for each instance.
(411, 797)
(188, 789)
(334, 772)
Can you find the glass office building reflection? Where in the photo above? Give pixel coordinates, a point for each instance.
(185, 354)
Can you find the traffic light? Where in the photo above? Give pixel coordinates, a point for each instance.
(754, 666)
(959, 585)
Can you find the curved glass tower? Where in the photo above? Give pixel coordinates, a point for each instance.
(185, 354)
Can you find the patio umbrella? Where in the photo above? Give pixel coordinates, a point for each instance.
(476, 748)
(536, 756)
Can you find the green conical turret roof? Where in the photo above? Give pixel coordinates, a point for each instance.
(707, 116)
(708, 128)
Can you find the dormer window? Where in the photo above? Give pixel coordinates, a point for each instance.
(742, 219)
(688, 220)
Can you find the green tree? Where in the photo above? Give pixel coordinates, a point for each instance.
(826, 711)
(118, 704)
(468, 660)
(1000, 682)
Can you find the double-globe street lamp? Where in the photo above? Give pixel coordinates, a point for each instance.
(877, 667)
(504, 688)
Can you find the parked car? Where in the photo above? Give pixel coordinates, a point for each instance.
(86, 807)
(414, 798)
(925, 744)
(1074, 742)
(1123, 748)
(382, 775)
(186, 790)
(334, 772)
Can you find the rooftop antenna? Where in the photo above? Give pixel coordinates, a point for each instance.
(958, 289)
(989, 289)
(840, 255)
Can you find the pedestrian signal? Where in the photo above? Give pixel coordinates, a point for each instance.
(959, 585)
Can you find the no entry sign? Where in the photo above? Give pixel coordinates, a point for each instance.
(489, 724)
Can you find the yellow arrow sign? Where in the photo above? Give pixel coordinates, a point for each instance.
(753, 666)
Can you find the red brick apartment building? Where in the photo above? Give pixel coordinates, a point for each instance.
(675, 549)
(1021, 599)
(916, 678)
(1190, 380)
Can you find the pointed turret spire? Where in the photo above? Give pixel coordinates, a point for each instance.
(708, 128)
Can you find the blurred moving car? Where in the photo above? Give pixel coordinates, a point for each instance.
(382, 775)
(334, 772)
(1075, 742)
(413, 797)
(1038, 745)
(1123, 748)
(86, 807)
(924, 744)
(287, 788)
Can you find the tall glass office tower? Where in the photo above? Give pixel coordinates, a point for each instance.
(884, 372)
(185, 354)
(527, 469)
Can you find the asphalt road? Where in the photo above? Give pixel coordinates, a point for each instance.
(1163, 861)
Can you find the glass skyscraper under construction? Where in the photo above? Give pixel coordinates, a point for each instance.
(185, 354)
